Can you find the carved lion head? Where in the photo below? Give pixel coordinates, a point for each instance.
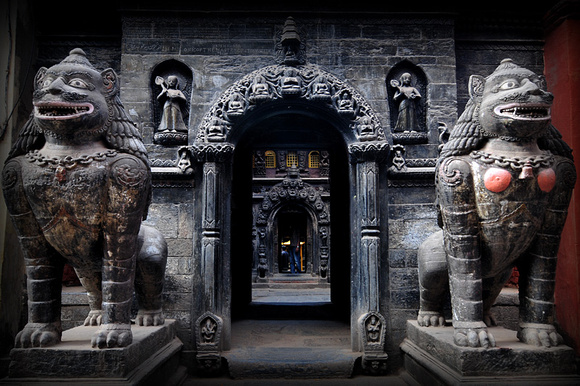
(76, 104)
(512, 103)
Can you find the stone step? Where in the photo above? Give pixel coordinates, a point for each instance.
(291, 285)
(290, 349)
(291, 362)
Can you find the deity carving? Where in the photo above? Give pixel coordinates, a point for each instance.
(345, 103)
(365, 129)
(406, 96)
(504, 181)
(236, 105)
(216, 131)
(320, 89)
(290, 83)
(373, 328)
(172, 127)
(259, 90)
(77, 186)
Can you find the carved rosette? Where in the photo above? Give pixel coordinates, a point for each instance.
(279, 82)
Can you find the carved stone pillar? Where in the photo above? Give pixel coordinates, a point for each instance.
(213, 283)
(366, 158)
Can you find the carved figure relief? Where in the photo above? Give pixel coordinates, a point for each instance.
(406, 96)
(406, 89)
(504, 181)
(172, 89)
(76, 185)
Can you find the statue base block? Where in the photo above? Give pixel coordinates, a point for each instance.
(152, 358)
(431, 357)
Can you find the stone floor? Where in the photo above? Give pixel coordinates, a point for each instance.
(292, 352)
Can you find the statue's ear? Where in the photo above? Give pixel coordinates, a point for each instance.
(542, 83)
(476, 85)
(38, 78)
(111, 81)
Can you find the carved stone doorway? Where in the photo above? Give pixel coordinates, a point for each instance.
(279, 105)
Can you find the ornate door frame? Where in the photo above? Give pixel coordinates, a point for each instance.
(273, 88)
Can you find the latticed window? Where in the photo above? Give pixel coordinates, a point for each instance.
(291, 159)
(270, 159)
(314, 160)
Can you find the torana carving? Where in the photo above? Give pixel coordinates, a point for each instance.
(283, 82)
(504, 182)
(293, 188)
(77, 185)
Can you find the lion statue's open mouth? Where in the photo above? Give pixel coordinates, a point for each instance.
(61, 110)
(524, 111)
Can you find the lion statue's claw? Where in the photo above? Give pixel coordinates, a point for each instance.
(38, 335)
(473, 337)
(113, 335)
(430, 318)
(539, 335)
(150, 318)
(94, 318)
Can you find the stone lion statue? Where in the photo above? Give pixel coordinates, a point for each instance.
(504, 181)
(77, 186)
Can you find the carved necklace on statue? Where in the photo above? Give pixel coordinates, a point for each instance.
(497, 179)
(62, 164)
(516, 163)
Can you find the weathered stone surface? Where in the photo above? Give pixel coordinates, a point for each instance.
(76, 185)
(504, 181)
(73, 357)
(433, 350)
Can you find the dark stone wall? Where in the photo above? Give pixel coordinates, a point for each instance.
(359, 48)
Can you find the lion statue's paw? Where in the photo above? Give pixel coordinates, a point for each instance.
(38, 335)
(150, 318)
(489, 319)
(112, 335)
(473, 336)
(539, 335)
(430, 318)
(94, 318)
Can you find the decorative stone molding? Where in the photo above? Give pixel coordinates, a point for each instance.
(368, 151)
(282, 82)
(417, 169)
(218, 152)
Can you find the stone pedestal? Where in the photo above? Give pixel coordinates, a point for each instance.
(431, 357)
(152, 358)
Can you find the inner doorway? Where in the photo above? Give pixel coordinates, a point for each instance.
(292, 247)
(263, 179)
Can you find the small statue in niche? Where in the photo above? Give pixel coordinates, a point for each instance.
(504, 181)
(407, 96)
(77, 186)
(172, 118)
